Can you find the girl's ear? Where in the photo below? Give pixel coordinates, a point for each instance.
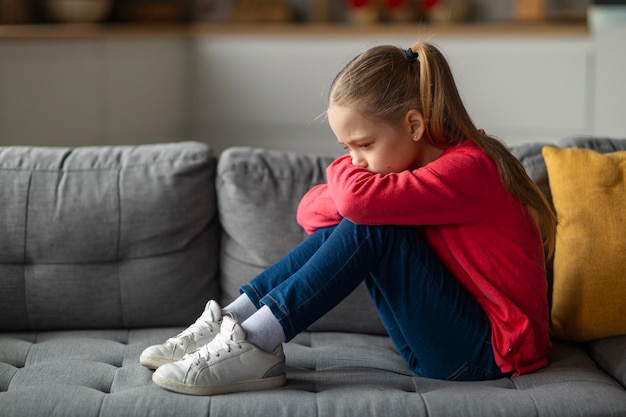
(415, 121)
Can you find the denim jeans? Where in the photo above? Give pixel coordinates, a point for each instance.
(436, 325)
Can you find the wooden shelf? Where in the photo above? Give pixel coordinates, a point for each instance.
(198, 30)
(87, 31)
(406, 29)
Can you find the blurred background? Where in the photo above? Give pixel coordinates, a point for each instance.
(363, 11)
(256, 72)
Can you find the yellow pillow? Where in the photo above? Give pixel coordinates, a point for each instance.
(589, 195)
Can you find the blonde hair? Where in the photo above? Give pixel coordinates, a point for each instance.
(383, 83)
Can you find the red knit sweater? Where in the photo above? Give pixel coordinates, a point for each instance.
(483, 235)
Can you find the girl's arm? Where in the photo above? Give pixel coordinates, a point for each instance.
(317, 209)
(456, 188)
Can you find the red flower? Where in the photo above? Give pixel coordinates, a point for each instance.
(394, 4)
(358, 3)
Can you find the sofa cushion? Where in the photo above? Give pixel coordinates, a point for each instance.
(610, 355)
(258, 194)
(589, 195)
(97, 373)
(100, 237)
(529, 154)
(259, 190)
(531, 158)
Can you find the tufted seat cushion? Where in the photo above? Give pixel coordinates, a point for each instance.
(97, 373)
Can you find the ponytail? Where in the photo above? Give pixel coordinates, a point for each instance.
(448, 124)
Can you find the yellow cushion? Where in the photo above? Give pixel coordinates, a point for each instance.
(589, 194)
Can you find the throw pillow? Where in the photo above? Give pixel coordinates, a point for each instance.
(589, 195)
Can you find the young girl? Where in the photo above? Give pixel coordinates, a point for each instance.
(438, 219)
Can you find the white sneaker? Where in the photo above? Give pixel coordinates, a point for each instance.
(228, 364)
(198, 334)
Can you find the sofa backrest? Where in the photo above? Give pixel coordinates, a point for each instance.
(532, 159)
(114, 237)
(106, 237)
(258, 194)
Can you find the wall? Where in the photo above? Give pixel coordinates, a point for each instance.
(93, 92)
(610, 82)
(270, 89)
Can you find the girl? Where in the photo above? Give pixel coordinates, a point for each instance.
(438, 219)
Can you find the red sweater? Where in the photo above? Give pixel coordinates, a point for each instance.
(483, 235)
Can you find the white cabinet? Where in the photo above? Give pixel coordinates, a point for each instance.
(610, 82)
(145, 90)
(271, 91)
(50, 93)
(526, 90)
(92, 92)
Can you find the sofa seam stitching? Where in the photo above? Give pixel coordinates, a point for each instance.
(118, 244)
(26, 210)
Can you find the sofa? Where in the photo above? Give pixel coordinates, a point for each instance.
(107, 250)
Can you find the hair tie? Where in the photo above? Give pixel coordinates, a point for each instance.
(410, 55)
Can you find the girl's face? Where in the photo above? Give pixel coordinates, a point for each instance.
(379, 147)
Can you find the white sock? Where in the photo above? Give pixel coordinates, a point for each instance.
(242, 307)
(263, 330)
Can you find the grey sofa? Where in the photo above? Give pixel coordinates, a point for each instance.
(104, 251)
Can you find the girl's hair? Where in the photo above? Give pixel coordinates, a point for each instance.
(385, 82)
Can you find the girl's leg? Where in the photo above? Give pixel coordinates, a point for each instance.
(284, 268)
(438, 328)
(335, 266)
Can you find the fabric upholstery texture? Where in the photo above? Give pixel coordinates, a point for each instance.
(531, 157)
(609, 354)
(344, 366)
(101, 237)
(96, 373)
(266, 186)
(588, 190)
(589, 194)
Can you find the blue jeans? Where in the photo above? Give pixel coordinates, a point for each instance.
(436, 325)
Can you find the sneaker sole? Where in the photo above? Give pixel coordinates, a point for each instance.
(153, 362)
(241, 386)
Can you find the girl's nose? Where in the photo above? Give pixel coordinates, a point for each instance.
(358, 162)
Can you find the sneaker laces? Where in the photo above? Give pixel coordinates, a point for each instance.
(218, 345)
(196, 329)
